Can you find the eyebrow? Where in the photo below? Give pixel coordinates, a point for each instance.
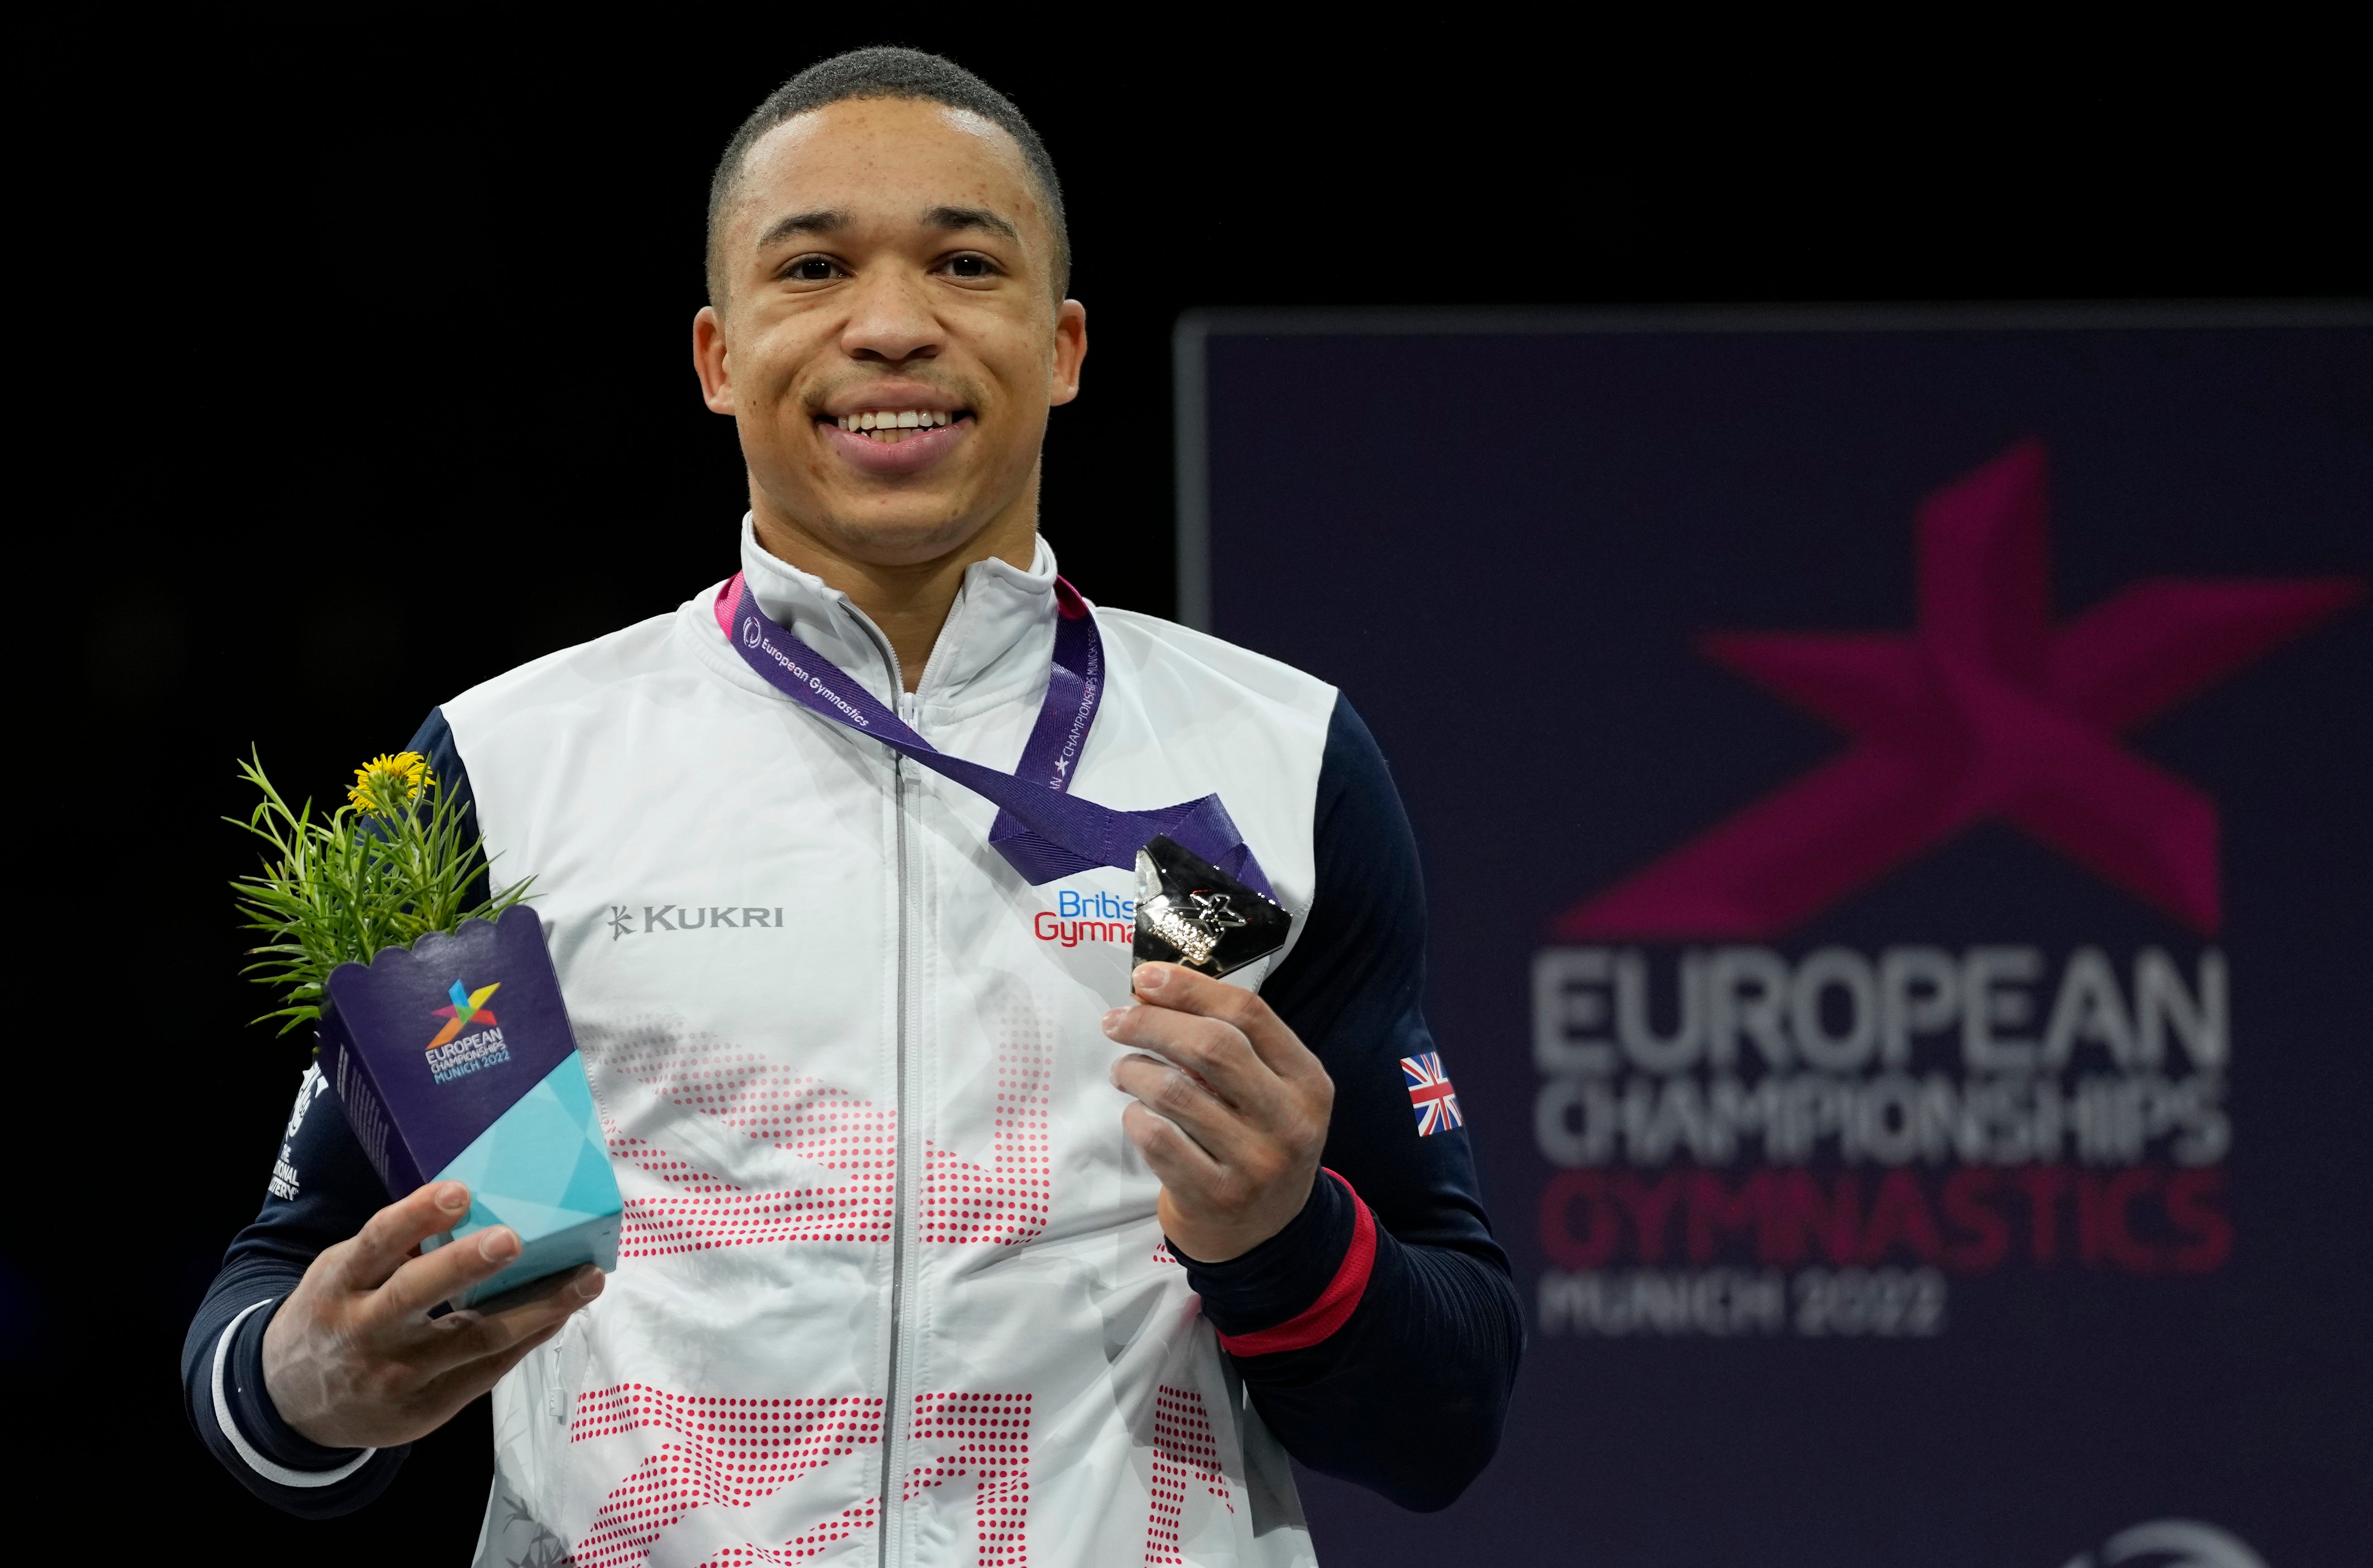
(823, 220)
(832, 220)
(953, 218)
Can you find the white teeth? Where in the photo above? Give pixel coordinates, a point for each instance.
(887, 421)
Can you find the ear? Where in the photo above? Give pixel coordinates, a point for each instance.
(1070, 351)
(708, 360)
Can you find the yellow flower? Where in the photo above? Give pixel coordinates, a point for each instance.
(386, 785)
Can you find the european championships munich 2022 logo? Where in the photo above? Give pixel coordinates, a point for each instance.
(1748, 1143)
(454, 1054)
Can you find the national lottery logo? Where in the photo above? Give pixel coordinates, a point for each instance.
(456, 1054)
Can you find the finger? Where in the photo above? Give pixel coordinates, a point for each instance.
(1214, 1051)
(456, 1386)
(1180, 988)
(1178, 1098)
(445, 1273)
(1181, 1163)
(537, 1290)
(460, 1339)
(394, 1233)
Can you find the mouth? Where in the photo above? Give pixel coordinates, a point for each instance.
(890, 442)
(887, 427)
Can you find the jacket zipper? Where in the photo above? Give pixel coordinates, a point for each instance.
(888, 1510)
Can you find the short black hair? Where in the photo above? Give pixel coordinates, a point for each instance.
(884, 72)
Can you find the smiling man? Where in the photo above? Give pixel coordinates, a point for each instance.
(951, 1235)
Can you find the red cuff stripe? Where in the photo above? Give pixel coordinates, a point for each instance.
(1334, 1304)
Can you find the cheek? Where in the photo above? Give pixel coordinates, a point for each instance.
(767, 366)
(1016, 359)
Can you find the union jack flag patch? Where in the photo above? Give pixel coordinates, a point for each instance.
(1430, 1095)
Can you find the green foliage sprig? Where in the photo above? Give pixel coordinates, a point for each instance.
(381, 871)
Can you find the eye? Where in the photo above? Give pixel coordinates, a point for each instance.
(812, 269)
(971, 265)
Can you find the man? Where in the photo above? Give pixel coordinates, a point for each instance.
(949, 1237)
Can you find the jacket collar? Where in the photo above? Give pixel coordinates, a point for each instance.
(994, 648)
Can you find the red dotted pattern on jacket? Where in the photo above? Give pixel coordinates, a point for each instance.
(801, 1115)
(991, 1433)
(733, 1452)
(729, 1452)
(1183, 1454)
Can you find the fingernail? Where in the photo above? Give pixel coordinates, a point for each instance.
(453, 1197)
(1112, 1022)
(1112, 1074)
(589, 1286)
(498, 1246)
(1150, 977)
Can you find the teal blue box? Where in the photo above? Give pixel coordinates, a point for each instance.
(455, 1063)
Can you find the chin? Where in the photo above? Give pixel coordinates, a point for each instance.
(901, 537)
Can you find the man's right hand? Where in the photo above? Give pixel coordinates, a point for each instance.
(353, 1360)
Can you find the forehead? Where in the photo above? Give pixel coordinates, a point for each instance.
(878, 157)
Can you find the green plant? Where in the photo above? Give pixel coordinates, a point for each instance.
(381, 871)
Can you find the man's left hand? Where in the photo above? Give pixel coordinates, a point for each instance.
(1230, 1110)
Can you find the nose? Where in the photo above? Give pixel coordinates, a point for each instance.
(890, 320)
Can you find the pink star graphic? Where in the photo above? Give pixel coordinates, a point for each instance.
(1986, 710)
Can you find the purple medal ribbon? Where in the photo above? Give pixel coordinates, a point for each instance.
(1042, 830)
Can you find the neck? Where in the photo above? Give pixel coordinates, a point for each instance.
(908, 600)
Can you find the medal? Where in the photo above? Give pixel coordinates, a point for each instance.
(1191, 913)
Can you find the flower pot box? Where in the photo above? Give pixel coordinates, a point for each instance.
(455, 1063)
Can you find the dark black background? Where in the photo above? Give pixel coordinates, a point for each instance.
(354, 368)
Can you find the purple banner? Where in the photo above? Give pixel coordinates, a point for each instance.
(1904, 976)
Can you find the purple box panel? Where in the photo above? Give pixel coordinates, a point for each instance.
(429, 1048)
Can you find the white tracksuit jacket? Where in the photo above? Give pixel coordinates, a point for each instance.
(891, 1287)
(818, 1009)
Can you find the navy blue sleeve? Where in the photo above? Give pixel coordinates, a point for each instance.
(1403, 1388)
(320, 1191)
(434, 742)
